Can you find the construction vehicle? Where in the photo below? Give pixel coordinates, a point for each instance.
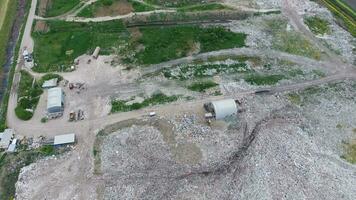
(72, 116)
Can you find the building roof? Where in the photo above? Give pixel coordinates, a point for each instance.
(6, 138)
(54, 97)
(64, 139)
(25, 53)
(50, 83)
(224, 108)
(12, 146)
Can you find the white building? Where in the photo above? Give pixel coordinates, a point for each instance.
(64, 139)
(55, 101)
(222, 108)
(6, 138)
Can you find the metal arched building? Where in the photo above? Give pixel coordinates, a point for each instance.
(222, 108)
(55, 101)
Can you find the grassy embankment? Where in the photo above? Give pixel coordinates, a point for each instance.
(56, 50)
(343, 12)
(317, 25)
(155, 99)
(11, 165)
(59, 7)
(111, 9)
(7, 18)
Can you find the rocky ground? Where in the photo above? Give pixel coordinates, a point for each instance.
(287, 151)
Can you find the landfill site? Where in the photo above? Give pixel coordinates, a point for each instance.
(274, 118)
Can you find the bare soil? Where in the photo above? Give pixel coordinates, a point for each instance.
(41, 26)
(42, 7)
(117, 8)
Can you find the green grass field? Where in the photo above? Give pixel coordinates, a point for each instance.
(59, 7)
(167, 43)
(57, 49)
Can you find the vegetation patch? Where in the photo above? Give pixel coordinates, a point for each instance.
(290, 41)
(49, 77)
(204, 7)
(155, 99)
(186, 72)
(59, 7)
(350, 151)
(56, 49)
(295, 43)
(29, 92)
(261, 79)
(179, 41)
(317, 25)
(202, 86)
(295, 98)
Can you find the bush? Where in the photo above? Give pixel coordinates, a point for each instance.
(28, 96)
(47, 150)
(159, 98)
(257, 79)
(49, 77)
(202, 86)
(107, 2)
(23, 114)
